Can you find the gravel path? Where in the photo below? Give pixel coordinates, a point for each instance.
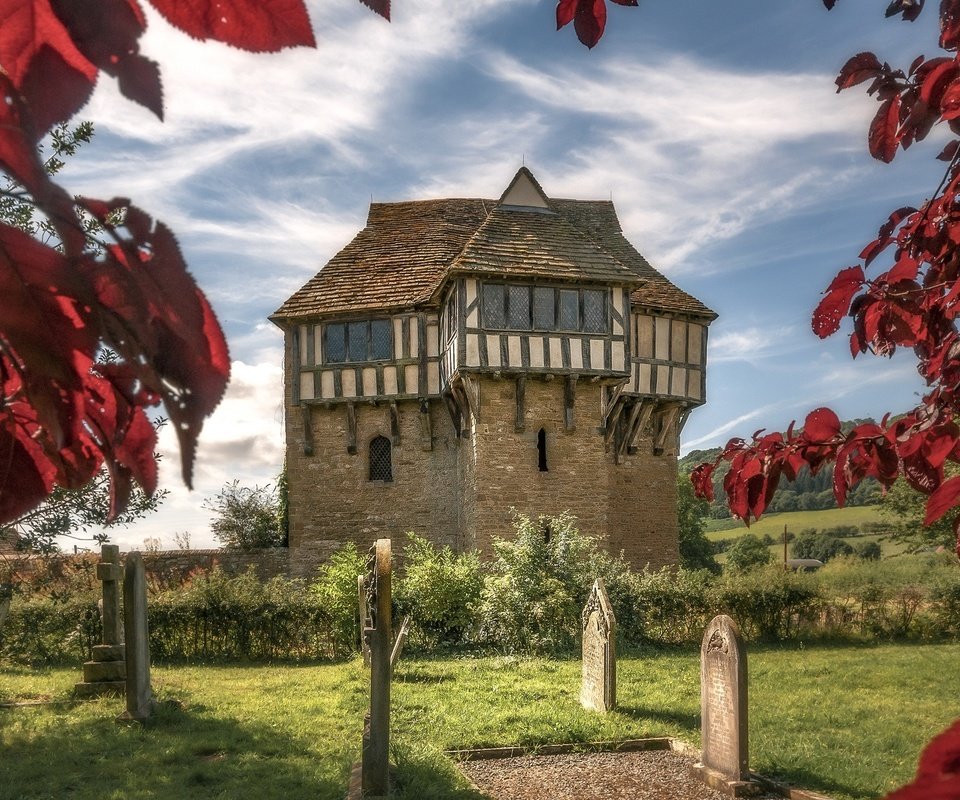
(649, 775)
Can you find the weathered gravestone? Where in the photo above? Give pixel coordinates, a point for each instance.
(375, 758)
(723, 709)
(364, 615)
(106, 673)
(598, 688)
(139, 695)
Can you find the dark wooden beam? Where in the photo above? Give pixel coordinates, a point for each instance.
(640, 425)
(521, 420)
(426, 428)
(394, 423)
(454, 411)
(351, 428)
(569, 400)
(306, 414)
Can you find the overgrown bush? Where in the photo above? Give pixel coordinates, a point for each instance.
(767, 603)
(536, 586)
(42, 630)
(335, 589)
(440, 590)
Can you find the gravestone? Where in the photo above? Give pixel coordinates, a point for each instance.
(375, 758)
(106, 673)
(364, 613)
(723, 709)
(139, 695)
(598, 688)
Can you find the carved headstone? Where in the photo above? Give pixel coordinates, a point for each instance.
(106, 673)
(375, 759)
(364, 615)
(598, 689)
(723, 708)
(139, 695)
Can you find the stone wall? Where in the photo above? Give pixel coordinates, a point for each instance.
(462, 492)
(164, 567)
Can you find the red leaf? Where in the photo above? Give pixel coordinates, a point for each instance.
(950, 102)
(942, 500)
(382, 7)
(566, 10)
(859, 68)
(949, 151)
(702, 479)
(42, 61)
(255, 25)
(949, 24)
(590, 20)
(836, 301)
(882, 138)
(107, 33)
(821, 425)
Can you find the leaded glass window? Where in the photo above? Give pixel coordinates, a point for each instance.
(381, 339)
(381, 462)
(494, 305)
(518, 307)
(544, 309)
(335, 349)
(569, 310)
(594, 311)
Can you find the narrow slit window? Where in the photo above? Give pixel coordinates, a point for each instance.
(381, 462)
(542, 450)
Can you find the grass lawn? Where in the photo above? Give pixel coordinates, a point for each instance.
(847, 721)
(795, 521)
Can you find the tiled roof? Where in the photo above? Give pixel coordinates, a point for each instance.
(394, 262)
(407, 250)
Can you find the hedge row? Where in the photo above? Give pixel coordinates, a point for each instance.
(527, 599)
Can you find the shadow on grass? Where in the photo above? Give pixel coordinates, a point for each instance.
(686, 720)
(427, 774)
(177, 754)
(806, 779)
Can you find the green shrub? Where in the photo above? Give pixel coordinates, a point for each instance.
(42, 631)
(536, 586)
(768, 603)
(440, 590)
(748, 552)
(336, 590)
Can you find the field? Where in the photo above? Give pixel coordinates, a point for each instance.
(795, 521)
(847, 721)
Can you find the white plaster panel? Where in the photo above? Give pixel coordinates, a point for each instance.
(348, 383)
(513, 350)
(317, 344)
(398, 337)
(618, 354)
(493, 351)
(306, 386)
(645, 383)
(693, 384)
(644, 336)
(414, 337)
(678, 347)
(662, 346)
(433, 377)
(536, 351)
(556, 353)
(326, 384)
(695, 336)
(411, 378)
(576, 354)
(663, 379)
(473, 350)
(433, 339)
(390, 380)
(369, 382)
(678, 382)
(596, 354)
(473, 318)
(302, 355)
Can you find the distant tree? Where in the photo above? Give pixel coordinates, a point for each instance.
(696, 551)
(821, 546)
(748, 552)
(905, 508)
(868, 551)
(245, 518)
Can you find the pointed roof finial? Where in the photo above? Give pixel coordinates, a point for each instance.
(524, 191)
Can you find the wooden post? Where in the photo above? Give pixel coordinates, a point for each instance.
(375, 761)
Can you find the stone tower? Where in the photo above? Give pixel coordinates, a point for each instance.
(464, 357)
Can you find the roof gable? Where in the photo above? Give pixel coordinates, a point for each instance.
(524, 192)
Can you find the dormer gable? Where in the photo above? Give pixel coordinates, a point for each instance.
(524, 192)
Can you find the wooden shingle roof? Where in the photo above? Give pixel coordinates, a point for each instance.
(407, 250)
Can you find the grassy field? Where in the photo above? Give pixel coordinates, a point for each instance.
(795, 521)
(846, 721)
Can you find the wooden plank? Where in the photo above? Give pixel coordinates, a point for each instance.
(426, 428)
(454, 410)
(422, 352)
(520, 421)
(463, 406)
(351, 428)
(668, 416)
(472, 392)
(394, 423)
(640, 425)
(306, 415)
(569, 400)
(628, 426)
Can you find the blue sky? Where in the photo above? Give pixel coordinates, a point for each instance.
(735, 167)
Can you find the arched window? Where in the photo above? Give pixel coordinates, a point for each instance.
(542, 450)
(381, 462)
